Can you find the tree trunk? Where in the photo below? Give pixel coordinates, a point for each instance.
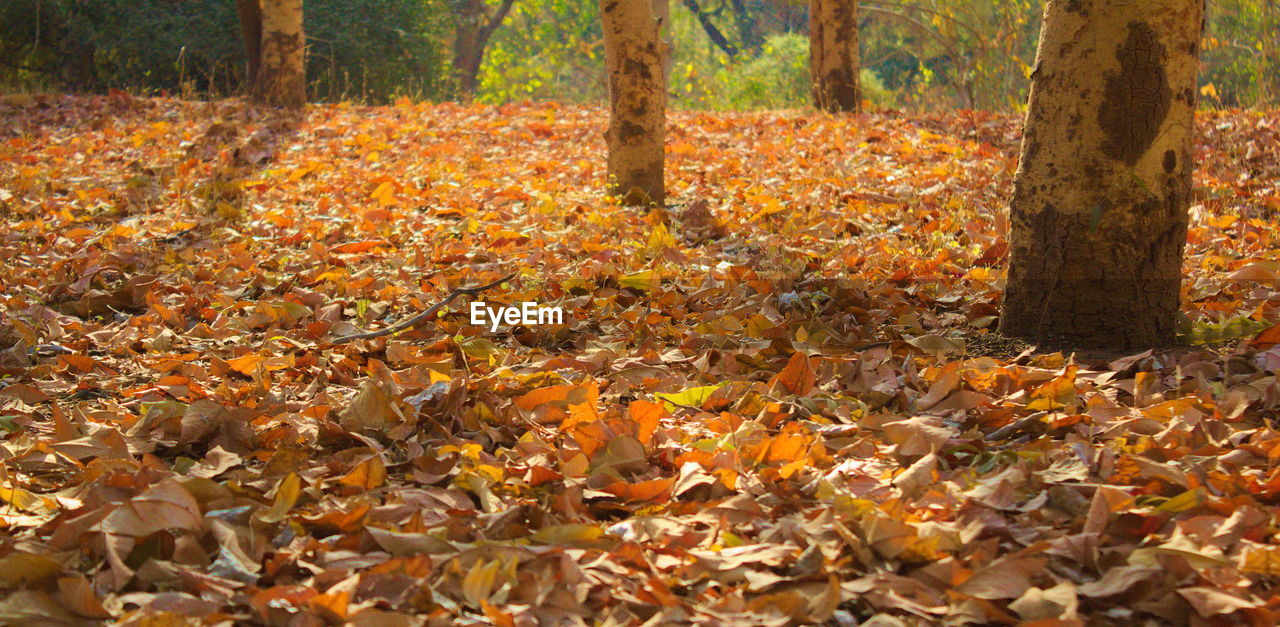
(282, 75)
(1099, 211)
(833, 55)
(81, 67)
(1267, 72)
(748, 27)
(637, 101)
(474, 28)
(467, 50)
(250, 13)
(713, 33)
(662, 13)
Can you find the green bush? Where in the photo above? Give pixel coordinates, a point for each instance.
(546, 50)
(776, 79)
(377, 50)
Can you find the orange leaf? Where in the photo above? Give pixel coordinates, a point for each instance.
(370, 474)
(1267, 338)
(246, 364)
(540, 396)
(79, 362)
(798, 376)
(358, 247)
(562, 401)
(591, 437)
(499, 617)
(647, 415)
(652, 490)
(539, 475)
(786, 447)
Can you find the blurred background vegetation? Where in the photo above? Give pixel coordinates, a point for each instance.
(728, 54)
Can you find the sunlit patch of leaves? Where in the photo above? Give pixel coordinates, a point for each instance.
(777, 401)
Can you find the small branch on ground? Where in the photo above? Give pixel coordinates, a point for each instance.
(420, 318)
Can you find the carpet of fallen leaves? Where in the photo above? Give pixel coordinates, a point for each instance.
(776, 402)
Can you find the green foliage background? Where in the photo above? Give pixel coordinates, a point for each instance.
(917, 54)
(372, 50)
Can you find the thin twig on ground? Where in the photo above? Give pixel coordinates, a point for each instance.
(420, 318)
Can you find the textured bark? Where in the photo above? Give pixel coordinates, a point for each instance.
(475, 28)
(637, 101)
(662, 13)
(833, 55)
(250, 13)
(1099, 211)
(281, 79)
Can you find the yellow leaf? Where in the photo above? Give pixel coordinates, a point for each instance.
(563, 534)
(771, 206)
(227, 211)
(24, 500)
(477, 585)
(692, 397)
(383, 193)
(1261, 559)
(644, 281)
(1183, 502)
(21, 567)
(287, 493)
(1057, 393)
(660, 238)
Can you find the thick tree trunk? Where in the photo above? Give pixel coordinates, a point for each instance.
(1099, 211)
(468, 51)
(282, 75)
(833, 55)
(250, 13)
(637, 101)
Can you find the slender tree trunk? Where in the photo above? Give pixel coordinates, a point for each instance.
(709, 27)
(474, 29)
(637, 101)
(833, 55)
(250, 13)
(1099, 211)
(281, 79)
(1267, 73)
(748, 26)
(81, 67)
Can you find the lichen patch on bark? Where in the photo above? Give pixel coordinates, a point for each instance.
(1137, 97)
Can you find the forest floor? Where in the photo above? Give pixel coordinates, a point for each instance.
(778, 401)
